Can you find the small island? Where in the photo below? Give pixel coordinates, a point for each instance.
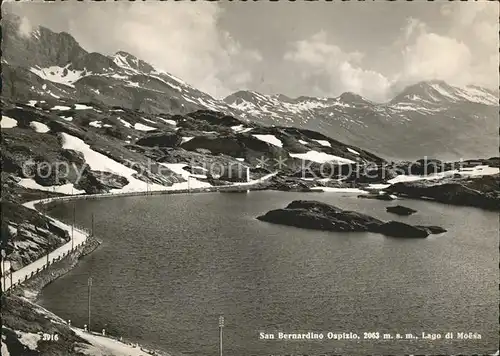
(400, 210)
(311, 214)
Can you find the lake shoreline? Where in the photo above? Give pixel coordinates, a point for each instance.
(60, 271)
(250, 209)
(31, 287)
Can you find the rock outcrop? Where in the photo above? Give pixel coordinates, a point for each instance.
(399, 229)
(482, 192)
(160, 140)
(310, 214)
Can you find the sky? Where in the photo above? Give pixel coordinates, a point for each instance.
(374, 49)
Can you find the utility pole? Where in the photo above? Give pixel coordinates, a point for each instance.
(73, 228)
(89, 296)
(3, 270)
(48, 256)
(221, 325)
(92, 231)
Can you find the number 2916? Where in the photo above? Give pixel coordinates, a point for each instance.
(50, 337)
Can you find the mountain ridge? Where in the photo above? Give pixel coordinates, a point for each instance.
(425, 119)
(434, 118)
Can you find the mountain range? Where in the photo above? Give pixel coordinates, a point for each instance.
(427, 119)
(430, 118)
(75, 122)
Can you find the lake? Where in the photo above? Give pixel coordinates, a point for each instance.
(170, 265)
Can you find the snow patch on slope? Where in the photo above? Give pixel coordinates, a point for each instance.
(191, 181)
(170, 122)
(97, 124)
(30, 340)
(352, 151)
(269, 139)
(476, 95)
(99, 162)
(240, 128)
(186, 139)
(141, 127)
(339, 190)
(56, 74)
(39, 127)
(125, 123)
(82, 107)
(61, 108)
(476, 171)
(63, 189)
(321, 157)
(7, 122)
(323, 143)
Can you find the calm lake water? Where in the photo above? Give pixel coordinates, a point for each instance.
(170, 265)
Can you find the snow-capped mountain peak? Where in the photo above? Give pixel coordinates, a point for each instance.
(131, 63)
(442, 93)
(352, 98)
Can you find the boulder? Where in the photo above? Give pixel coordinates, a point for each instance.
(94, 182)
(400, 210)
(73, 156)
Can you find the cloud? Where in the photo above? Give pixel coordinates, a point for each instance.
(25, 28)
(466, 54)
(216, 48)
(334, 70)
(432, 56)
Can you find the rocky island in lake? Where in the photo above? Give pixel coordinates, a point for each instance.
(400, 210)
(311, 214)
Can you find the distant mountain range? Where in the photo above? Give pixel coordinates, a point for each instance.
(428, 118)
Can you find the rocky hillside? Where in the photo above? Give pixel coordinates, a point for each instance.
(59, 146)
(431, 119)
(136, 149)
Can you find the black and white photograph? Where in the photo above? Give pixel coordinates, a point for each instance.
(249, 178)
